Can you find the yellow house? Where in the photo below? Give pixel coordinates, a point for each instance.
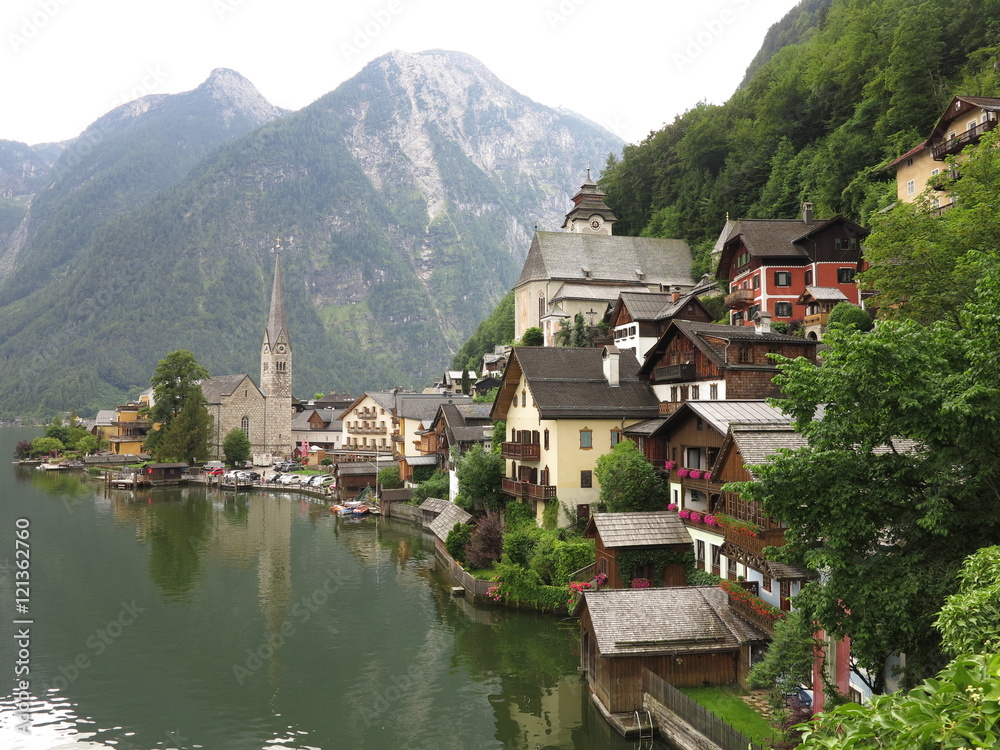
(564, 408)
(962, 124)
(128, 429)
(368, 423)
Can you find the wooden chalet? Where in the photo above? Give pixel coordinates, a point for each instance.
(747, 445)
(687, 635)
(617, 533)
(709, 362)
(767, 263)
(460, 425)
(818, 302)
(639, 319)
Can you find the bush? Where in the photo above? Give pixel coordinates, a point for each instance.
(523, 586)
(457, 539)
(436, 486)
(519, 545)
(556, 560)
(486, 545)
(389, 479)
(844, 314)
(518, 514)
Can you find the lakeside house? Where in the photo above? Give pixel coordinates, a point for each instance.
(655, 545)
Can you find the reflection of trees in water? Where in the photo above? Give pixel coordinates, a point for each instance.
(177, 533)
(63, 484)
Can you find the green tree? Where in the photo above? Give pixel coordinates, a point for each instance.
(628, 480)
(899, 486)
(388, 478)
(46, 446)
(533, 336)
(846, 314)
(466, 382)
(457, 540)
(579, 337)
(479, 474)
(175, 381)
(87, 444)
(436, 486)
(969, 621)
(186, 438)
(236, 446)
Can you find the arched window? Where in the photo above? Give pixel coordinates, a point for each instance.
(541, 306)
(245, 426)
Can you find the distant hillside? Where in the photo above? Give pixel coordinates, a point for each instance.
(410, 191)
(848, 88)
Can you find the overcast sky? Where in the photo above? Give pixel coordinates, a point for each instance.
(630, 65)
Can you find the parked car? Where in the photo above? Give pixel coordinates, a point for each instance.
(215, 471)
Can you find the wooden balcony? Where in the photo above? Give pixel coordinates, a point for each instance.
(527, 490)
(819, 319)
(763, 622)
(950, 146)
(521, 451)
(673, 373)
(740, 298)
(755, 544)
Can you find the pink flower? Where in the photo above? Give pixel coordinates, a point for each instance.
(695, 474)
(708, 475)
(640, 583)
(669, 464)
(672, 506)
(685, 513)
(710, 520)
(682, 473)
(696, 517)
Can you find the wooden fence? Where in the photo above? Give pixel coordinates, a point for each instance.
(699, 717)
(472, 585)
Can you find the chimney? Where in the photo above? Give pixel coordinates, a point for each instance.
(610, 357)
(807, 213)
(675, 294)
(762, 322)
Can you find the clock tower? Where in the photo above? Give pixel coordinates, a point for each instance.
(590, 214)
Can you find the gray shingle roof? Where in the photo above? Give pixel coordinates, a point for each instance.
(564, 255)
(570, 382)
(222, 385)
(646, 529)
(424, 406)
(757, 442)
(824, 294)
(447, 519)
(435, 504)
(665, 620)
(594, 292)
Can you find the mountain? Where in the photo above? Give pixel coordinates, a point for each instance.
(410, 192)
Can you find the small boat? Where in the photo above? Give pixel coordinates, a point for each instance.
(341, 510)
(51, 467)
(360, 510)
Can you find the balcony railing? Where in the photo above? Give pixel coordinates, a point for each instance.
(673, 373)
(756, 544)
(740, 298)
(521, 451)
(819, 319)
(748, 613)
(950, 146)
(515, 488)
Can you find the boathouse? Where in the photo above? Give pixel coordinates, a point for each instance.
(687, 635)
(164, 473)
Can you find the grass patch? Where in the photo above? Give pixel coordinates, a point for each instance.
(725, 702)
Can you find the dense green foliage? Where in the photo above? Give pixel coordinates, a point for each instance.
(388, 478)
(788, 662)
(533, 336)
(236, 446)
(969, 621)
(437, 485)
(852, 87)
(628, 480)
(456, 541)
(901, 486)
(846, 314)
(496, 329)
(479, 473)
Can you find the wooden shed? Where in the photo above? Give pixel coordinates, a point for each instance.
(688, 636)
(164, 473)
(445, 522)
(431, 508)
(648, 532)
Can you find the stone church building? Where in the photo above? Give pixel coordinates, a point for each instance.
(263, 412)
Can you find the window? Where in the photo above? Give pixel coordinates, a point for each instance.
(809, 277)
(541, 305)
(586, 478)
(911, 187)
(586, 439)
(546, 439)
(713, 392)
(783, 309)
(845, 275)
(838, 244)
(245, 426)
(745, 355)
(756, 281)
(766, 584)
(524, 398)
(700, 546)
(673, 393)
(935, 172)
(972, 125)
(695, 393)
(782, 278)
(616, 437)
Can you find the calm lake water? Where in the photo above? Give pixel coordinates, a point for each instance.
(183, 618)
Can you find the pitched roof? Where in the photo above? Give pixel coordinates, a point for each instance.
(565, 255)
(821, 294)
(645, 529)
(723, 414)
(435, 504)
(665, 621)
(569, 382)
(757, 442)
(106, 416)
(446, 520)
(424, 406)
(276, 325)
(223, 385)
(712, 339)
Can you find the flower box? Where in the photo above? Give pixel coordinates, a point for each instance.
(710, 520)
(682, 473)
(684, 513)
(694, 473)
(707, 476)
(696, 517)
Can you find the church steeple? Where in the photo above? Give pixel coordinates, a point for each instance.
(590, 214)
(276, 351)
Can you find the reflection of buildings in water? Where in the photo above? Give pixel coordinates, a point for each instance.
(546, 722)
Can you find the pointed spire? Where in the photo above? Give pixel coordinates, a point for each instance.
(276, 319)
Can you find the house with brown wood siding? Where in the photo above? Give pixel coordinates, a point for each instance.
(637, 320)
(639, 538)
(689, 636)
(709, 362)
